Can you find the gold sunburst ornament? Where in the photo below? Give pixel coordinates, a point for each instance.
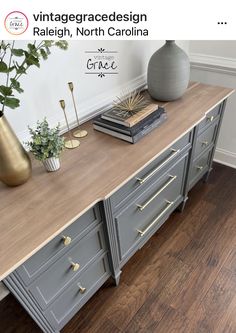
(130, 104)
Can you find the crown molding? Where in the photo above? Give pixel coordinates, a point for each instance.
(213, 63)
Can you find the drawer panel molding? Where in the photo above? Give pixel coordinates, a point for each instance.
(44, 258)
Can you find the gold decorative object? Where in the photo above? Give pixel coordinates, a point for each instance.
(131, 104)
(15, 164)
(69, 143)
(79, 133)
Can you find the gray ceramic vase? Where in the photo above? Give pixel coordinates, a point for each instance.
(168, 72)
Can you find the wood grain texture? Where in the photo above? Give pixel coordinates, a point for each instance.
(34, 213)
(162, 290)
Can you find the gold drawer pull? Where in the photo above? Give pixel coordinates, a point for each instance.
(66, 240)
(210, 119)
(204, 143)
(142, 233)
(75, 266)
(82, 290)
(172, 155)
(142, 207)
(199, 167)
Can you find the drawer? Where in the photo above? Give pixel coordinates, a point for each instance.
(206, 139)
(150, 173)
(200, 167)
(63, 309)
(58, 246)
(143, 214)
(210, 118)
(57, 277)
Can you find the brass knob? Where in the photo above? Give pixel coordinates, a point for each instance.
(66, 240)
(75, 266)
(200, 168)
(205, 143)
(82, 290)
(210, 118)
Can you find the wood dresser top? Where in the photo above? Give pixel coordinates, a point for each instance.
(34, 213)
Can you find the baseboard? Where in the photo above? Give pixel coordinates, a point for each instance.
(93, 106)
(213, 63)
(3, 291)
(225, 157)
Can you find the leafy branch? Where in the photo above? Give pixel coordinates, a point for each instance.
(19, 62)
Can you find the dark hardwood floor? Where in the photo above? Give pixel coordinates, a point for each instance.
(182, 280)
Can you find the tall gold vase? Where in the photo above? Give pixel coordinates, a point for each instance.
(15, 164)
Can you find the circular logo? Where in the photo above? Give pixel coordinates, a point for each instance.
(16, 23)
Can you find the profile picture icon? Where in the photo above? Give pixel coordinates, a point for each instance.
(16, 23)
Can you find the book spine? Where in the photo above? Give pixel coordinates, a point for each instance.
(148, 129)
(115, 134)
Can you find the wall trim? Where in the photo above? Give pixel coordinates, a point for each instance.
(92, 107)
(213, 63)
(225, 157)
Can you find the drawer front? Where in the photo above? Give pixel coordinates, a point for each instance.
(205, 140)
(200, 167)
(136, 220)
(52, 282)
(210, 118)
(150, 173)
(62, 310)
(39, 262)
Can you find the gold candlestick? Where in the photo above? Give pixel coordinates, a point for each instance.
(79, 133)
(69, 143)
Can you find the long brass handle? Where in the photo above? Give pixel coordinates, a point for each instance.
(142, 207)
(210, 118)
(82, 289)
(199, 167)
(142, 233)
(75, 266)
(66, 240)
(172, 155)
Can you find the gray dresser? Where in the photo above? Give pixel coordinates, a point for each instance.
(61, 277)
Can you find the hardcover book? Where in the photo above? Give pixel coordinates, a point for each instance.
(132, 138)
(129, 130)
(124, 118)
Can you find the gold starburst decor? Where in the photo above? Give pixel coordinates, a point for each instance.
(130, 104)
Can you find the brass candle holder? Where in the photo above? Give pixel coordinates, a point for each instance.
(69, 143)
(79, 133)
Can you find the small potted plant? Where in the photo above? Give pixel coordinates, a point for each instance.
(46, 145)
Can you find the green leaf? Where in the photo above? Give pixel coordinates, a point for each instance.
(16, 85)
(21, 70)
(43, 54)
(3, 67)
(62, 44)
(6, 91)
(17, 52)
(12, 102)
(2, 98)
(31, 60)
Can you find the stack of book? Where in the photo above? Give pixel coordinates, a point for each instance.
(130, 128)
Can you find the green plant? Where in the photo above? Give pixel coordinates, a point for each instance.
(45, 141)
(14, 62)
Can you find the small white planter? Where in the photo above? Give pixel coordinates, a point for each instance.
(52, 164)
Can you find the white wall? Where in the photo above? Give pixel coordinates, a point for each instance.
(214, 62)
(44, 87)
(219, 48)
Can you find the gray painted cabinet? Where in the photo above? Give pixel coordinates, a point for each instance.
(60, 278)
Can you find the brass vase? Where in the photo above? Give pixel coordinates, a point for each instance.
(15, 164)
